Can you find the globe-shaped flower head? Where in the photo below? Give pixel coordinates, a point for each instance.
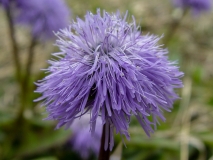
(43, 16)
(108, 69)
(4, 3)
(196, 5)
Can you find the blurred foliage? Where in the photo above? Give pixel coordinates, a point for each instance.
(187, 133)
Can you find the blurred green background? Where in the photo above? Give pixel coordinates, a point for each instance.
(188, 131)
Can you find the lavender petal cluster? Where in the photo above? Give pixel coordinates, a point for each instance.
(107, 68)
(43, 16)
(82, 141)
(196, 5)
(5, 3)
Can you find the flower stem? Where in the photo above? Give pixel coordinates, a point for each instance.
(173, 28)
(103, 154)
(26, 80)
(15, 50)
(29, 65)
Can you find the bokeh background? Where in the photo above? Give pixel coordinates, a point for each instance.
(188, 130)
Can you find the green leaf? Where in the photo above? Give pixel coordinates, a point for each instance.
(35, 143)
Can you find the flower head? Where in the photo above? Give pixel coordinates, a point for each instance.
(43, 16)
(82, 140)
(4, 3)
(108, 69)
(196, 5)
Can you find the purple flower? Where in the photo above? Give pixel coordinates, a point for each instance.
(5, 3)
(108, 69)
(43, 16)
(82, 141)
(196, 5)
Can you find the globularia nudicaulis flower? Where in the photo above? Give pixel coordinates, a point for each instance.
(43, 16)
(197, 6)
(108, 69)
(82, 141)
(5, 3)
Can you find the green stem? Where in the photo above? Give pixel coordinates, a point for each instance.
(26, 80)
(29, 65)
(15, 50)
(13, 131)
(173, 28)
(20, 121)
